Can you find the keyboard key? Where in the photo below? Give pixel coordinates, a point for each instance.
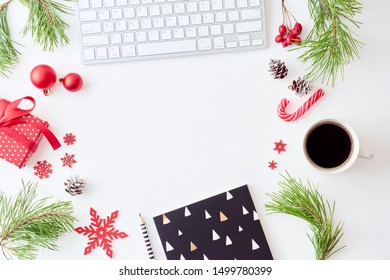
(101, 53)
(171, 21)
(203, 31)
(229, 4)
(246, 43)
(251, 26)
(228, 28)
(192, 7)
(142, 11)
(116, 39)
(219, 43)
(178, 33)
(146, 23)
(95, 40)
(116, 13)
(104, 14)
(257, 42)
(196, 19)
(109, 3)
(204, 6)
(134, 2)
(83, 4)
(208, 18)
(216, 30)
(96, 3)
(167, 47)
(232, 44)
(204, 44)
(140, 36)
(220, 17)
(108, 26)
(158, 22)
(166, 34)
(153, 35)
(120, 26)
(89, 54)
(184, 20)
(88, 16)
(242, 3)
(89, 28)
(129, 12)
(250, 14)
(179, 8)
(216, 5)
(167, 9)
(133, 24)
(128, 37)
(190, 32)
(233, 16)
(254, 3)
(154, 10)
(113, 52)
(128, 51)
(121, 2)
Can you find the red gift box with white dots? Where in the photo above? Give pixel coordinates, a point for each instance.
(14, 152)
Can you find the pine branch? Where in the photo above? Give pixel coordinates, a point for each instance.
(45, 22)
(331, 44)
(27, 224)
(294, 198)
(9, 55)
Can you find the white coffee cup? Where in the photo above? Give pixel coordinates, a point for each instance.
(332, 146)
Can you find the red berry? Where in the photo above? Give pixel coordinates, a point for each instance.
(289, 38)
(298, 27)
(279, 38)
(285, 43)
(282, 29)
(294, 33)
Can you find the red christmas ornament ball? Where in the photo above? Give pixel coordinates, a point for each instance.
(43, 77)
(72, 82)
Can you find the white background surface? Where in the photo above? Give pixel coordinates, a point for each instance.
(156, 135)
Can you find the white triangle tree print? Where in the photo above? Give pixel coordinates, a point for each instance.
(168, 247)
(215, 236)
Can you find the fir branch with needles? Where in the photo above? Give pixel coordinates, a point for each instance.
(28, 224)
(9, 55)
(305, 202)
(44, 23)
(331, 44)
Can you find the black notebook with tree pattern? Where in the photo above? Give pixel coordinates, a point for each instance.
(222, 227)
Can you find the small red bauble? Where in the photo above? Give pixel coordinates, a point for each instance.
(72, 82)
(282, 29)
(43, 77)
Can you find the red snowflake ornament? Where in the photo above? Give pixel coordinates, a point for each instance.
(101, 232)
(68, 160)
(69, 138)
(42, 169)
(279, 146)
(272, 164)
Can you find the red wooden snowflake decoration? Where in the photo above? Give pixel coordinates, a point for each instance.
(42, 169)
(279, 146)
(68, 160)
(272, 164)
(101, 232)
(69, 138)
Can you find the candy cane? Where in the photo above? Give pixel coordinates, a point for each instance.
(302, 110)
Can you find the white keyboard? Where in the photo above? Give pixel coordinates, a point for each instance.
(126, 30)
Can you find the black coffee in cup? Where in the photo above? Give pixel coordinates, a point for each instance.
(329, 145)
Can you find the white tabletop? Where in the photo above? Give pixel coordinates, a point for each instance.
(156, 135)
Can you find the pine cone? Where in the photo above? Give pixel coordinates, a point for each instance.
(74, 185)
(301, 86)
(278, 69)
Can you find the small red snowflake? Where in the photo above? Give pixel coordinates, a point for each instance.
(272, 164)
(42, 169)
(68, 160)
(69, 138)
(101, 232)
(279, 146)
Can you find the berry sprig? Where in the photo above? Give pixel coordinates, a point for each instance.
(289, 30)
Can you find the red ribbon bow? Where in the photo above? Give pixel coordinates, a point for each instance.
(10, 115)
